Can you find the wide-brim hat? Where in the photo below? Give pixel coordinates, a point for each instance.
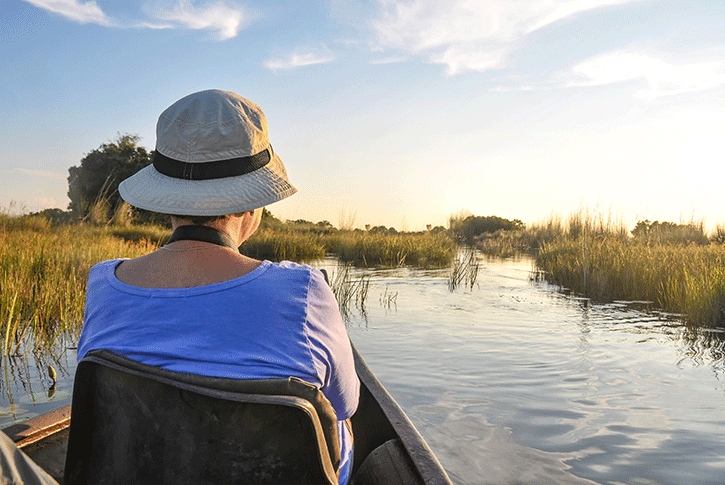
(212, 158)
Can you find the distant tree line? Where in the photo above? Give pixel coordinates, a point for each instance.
(671, 233)
(472, 227)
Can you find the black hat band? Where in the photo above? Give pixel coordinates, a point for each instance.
(232, 167)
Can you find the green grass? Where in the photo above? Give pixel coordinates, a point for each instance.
(43, 275)
(383, 249)
(604, 262)
(359, 248)
(279, 245)
(44, 267)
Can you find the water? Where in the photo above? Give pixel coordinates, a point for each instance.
(515, 382)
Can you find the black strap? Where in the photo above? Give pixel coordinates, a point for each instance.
(211, 170)
(204, 234)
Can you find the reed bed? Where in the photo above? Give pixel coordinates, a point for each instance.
(603, 262)
(358, 248)
(279, 245)
(43, 275)
(43, 268)
(369, 250)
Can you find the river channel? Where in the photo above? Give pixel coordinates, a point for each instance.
(515, 381)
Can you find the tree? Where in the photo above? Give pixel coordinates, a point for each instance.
(95, 182)
(473, 226)
(670, 233)
(269, 221)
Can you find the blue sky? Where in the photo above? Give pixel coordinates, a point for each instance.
(391, 112)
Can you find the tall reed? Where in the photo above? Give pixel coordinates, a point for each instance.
(464, 271)
(350, 291)
(359, 248)
(600, 262)
(382, 249)
(43, 274)
(278, 245)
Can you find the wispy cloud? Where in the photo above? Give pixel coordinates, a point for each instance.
(42, 173)
(154, 26)
(224, 18)
(389, 60)
(297, 59)
(469, 35)
(663, 78)
(85, 13)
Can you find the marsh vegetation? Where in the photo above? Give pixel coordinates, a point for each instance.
(44, 266)
(677, 267)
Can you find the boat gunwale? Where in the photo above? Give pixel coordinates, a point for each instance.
(424, 460)
(37, 428)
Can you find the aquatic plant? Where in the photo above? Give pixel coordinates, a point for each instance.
(689, 280)
(464, 270)
(278, 245)
(385, 249)
(388, 299)
(350, 292)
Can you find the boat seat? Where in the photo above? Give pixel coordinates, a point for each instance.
(137, 424)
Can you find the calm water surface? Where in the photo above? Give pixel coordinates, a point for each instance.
(514, 382)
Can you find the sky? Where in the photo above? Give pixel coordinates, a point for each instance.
(391, 112)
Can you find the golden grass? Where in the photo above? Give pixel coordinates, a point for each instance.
(353, 247)
(44, 268)
(43, 275)
(382, 249)
(604, 263)
(279, 245)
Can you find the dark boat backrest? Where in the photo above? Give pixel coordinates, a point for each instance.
(134, 423)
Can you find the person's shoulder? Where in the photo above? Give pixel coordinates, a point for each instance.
(105, 266)
(297, 270)
(101, 274)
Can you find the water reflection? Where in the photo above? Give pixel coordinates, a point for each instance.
(532, 386)
(697, 346)
(27, 389)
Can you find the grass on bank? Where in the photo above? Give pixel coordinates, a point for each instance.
(43, 275)
(676, 266)
(358, 248)
(44, 267)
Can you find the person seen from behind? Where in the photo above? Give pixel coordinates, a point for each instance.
(197, 305)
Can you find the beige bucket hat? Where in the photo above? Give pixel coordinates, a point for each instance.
(213, 157)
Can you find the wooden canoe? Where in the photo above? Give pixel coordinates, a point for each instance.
(388, 448)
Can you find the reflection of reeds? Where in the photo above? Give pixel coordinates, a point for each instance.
(464, 271)
(350, 292)
(389, 299)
